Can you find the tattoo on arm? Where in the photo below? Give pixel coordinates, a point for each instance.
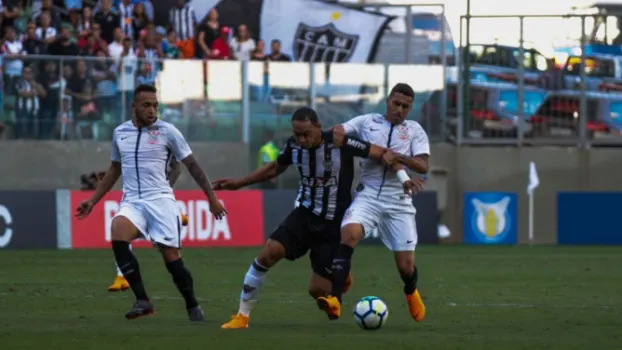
(199, 176)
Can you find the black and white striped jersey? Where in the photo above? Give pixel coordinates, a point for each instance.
(326, 173)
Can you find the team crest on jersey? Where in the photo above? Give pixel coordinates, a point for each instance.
(153, 137)
(323, 44)
(403, 132)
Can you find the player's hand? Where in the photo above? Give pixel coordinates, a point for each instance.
(389, 158)
(217, 209)
(339, 134)
(84, 209)
(413, 186)
(184, 220)
(226, 185)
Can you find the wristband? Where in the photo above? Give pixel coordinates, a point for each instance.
(402, 175)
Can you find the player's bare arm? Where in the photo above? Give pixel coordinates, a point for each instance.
(174, 173)
(265, 173)
(103, 186)
(201, 178)
(339, 133)
(418, 163)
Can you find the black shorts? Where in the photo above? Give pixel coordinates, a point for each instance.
(302, 231)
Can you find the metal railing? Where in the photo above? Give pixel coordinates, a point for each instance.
(86, 97)
(506, 94)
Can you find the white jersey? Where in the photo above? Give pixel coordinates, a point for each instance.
(408, 139)
(145, 155)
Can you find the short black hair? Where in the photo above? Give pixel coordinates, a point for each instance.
(276, 41)
(305, 113)
(404, 89)
(145, 88)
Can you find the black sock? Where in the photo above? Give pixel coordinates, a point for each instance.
(410, 282)
(341, 269)
(184, 282)
(127, 263)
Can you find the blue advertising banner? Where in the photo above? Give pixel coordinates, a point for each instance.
(27, 219)
(589, 218)
(490, 218)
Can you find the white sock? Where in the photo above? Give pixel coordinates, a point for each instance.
(119, 273)
(253, 281)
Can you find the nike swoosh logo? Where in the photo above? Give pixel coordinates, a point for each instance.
(409, 242)
(370, 129)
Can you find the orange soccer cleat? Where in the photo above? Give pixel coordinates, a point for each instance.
(416, 306)
(330, 305)
(119, 284)
(238, 321)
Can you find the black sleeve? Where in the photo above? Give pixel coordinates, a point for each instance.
(356, 147)
(285, 155)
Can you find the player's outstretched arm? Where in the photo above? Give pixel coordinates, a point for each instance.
(107, 183)
(103, 186)
(200, 177)
(265, 173)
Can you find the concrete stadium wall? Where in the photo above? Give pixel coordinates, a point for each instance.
(49, 165)
(54, 165)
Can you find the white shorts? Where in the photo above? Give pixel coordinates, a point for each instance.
(158, 220)
(394, 219)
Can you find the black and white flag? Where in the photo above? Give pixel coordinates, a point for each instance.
(309, 30)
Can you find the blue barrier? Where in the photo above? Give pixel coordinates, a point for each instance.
(589, 218)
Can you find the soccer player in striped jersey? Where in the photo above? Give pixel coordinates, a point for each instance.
(326, 175)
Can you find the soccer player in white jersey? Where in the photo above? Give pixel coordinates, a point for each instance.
(379, 201)
(120, 283)
(142, 149)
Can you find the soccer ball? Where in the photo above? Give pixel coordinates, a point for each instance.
(370, 313)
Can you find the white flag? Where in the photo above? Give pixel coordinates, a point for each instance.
(316, 31)
(309, 30)
(534, 181)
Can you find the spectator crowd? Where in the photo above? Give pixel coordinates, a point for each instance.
(66, 65)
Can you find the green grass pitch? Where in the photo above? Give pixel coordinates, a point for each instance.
(476, 297)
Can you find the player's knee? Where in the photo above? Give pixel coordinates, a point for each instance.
(351, 234)
(122, 229)
(405, 263)
(271, 253)
(170, 254)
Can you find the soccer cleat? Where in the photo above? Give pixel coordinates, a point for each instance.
(348, 284)
(196, 314)
(330, 305)
(237, 322)
(141, 308)
(416, 306)
(119, 284)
